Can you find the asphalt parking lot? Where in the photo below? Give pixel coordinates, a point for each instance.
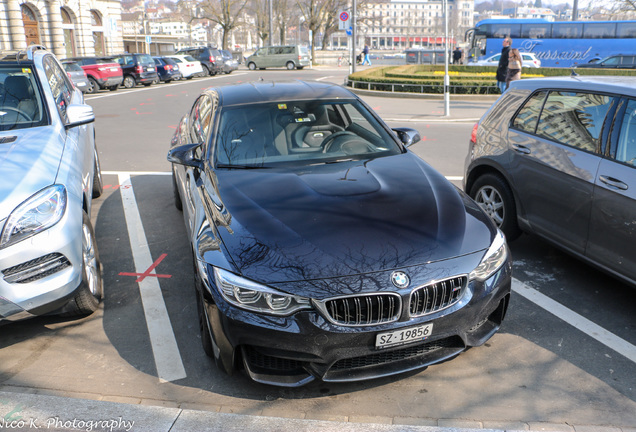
(565, 358)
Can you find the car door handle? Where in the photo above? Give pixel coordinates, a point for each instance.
(521, 149)
(613, 183)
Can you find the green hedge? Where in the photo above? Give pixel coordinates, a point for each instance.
(463, 79)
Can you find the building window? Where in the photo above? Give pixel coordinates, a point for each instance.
(31, 27)
(98, 33)
(69, 33)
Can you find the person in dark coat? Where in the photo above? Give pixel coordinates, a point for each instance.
(457, 56)
(502, 68)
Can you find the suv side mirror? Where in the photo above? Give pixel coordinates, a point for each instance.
(79, 114)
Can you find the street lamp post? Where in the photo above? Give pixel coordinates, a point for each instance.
(446, 77)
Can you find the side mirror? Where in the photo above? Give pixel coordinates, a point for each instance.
(408, 136)
(79, 114)
(184, 155)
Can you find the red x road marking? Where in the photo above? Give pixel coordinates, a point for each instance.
(146, 274)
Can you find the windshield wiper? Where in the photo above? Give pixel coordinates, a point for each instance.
(241, 166)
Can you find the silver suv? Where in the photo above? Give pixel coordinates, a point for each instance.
(557, 158)
(50, 173)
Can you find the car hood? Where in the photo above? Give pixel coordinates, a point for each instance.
(347, 218)
(28, 164)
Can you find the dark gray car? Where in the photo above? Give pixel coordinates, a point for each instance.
(556, 157)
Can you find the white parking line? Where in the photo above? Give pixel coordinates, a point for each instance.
(164, 345)
(579, 322)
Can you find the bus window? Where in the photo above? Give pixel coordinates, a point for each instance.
(536, 31)
(599, 31)
(626, 30)
(565, 30)
(505, 30)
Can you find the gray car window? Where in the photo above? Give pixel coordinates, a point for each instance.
(526, 119)
(626, 151)
(574, 119)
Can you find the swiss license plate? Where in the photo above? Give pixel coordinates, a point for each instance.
(403, 336)
(151, 69)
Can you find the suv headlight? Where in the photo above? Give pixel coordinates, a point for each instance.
(38, 213)
(494, 258)
(252, 296)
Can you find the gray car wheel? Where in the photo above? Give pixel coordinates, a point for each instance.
(91, 289)
(252, 66)
(291, 66)
(494, 196)
(94, 86)
(129, 82)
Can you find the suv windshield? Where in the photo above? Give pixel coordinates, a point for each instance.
(21, 104)
(299, 132)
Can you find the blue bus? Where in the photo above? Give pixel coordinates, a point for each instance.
(555, 43)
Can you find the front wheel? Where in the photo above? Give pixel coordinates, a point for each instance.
(494, 196)
(91, 289)
(93, 87)
(291, 66)
(251, 66)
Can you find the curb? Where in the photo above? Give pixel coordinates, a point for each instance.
(56, 413)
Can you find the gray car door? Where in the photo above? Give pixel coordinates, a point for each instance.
(554, 170)
(613, 223)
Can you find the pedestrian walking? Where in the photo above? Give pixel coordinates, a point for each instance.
(457, 56)
(365, 54)
(502, 68)
(514, 66)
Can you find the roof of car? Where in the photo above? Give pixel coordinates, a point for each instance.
(609, 84)
(279, 91)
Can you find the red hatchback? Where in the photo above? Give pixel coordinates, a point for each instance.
(102, 72)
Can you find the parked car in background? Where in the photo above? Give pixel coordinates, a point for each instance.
(289, 56)
(315, 256)
(189, 66)
(229, 63)
(77, 75)
(210, 58)
(557, 158)
(612, 62)
(137, 69)
(49, 261)
(529, 61)
(167, 69)
(102, 72)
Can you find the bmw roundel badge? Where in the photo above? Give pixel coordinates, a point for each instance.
(400, 279)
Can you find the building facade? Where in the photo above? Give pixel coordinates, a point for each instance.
(67, 27)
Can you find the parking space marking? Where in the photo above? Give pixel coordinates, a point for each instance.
(581, 323)
(164, 345)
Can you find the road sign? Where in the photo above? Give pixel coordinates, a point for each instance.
(343, 20)
(349, 31)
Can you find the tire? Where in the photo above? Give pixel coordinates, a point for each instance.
(190, 77)
(98, 183)
(94, 86)
(300, 67)
(149, 84)
(113, 88)
(91, 289)
(168, 81)
(493, 194)
(206, 71)
(291, 66)
(207, 339)
(175, 190)
(251, 66)
(129, 82)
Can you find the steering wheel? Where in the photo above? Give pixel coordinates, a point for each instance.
(18, 111)
(328, 142)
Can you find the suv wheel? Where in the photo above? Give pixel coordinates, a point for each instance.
(129, 82)
(291, 66)
(494, 196)
(94, 85)
(206, 71)
(252, 66)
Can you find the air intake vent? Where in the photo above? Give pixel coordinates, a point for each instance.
(36, 269)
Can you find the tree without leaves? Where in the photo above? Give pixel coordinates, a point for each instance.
(225, 13)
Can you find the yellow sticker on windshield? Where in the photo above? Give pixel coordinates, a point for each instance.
(26, 70)
(282, 106)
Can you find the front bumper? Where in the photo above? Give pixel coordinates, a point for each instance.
(294, 350)
(41, 274)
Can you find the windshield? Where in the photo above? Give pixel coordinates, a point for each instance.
(299, 133)
(20, 101)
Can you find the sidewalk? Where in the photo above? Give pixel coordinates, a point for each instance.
(30, 412)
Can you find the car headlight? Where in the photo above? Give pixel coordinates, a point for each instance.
(252, 296)
(494, 258)
(38, 213)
